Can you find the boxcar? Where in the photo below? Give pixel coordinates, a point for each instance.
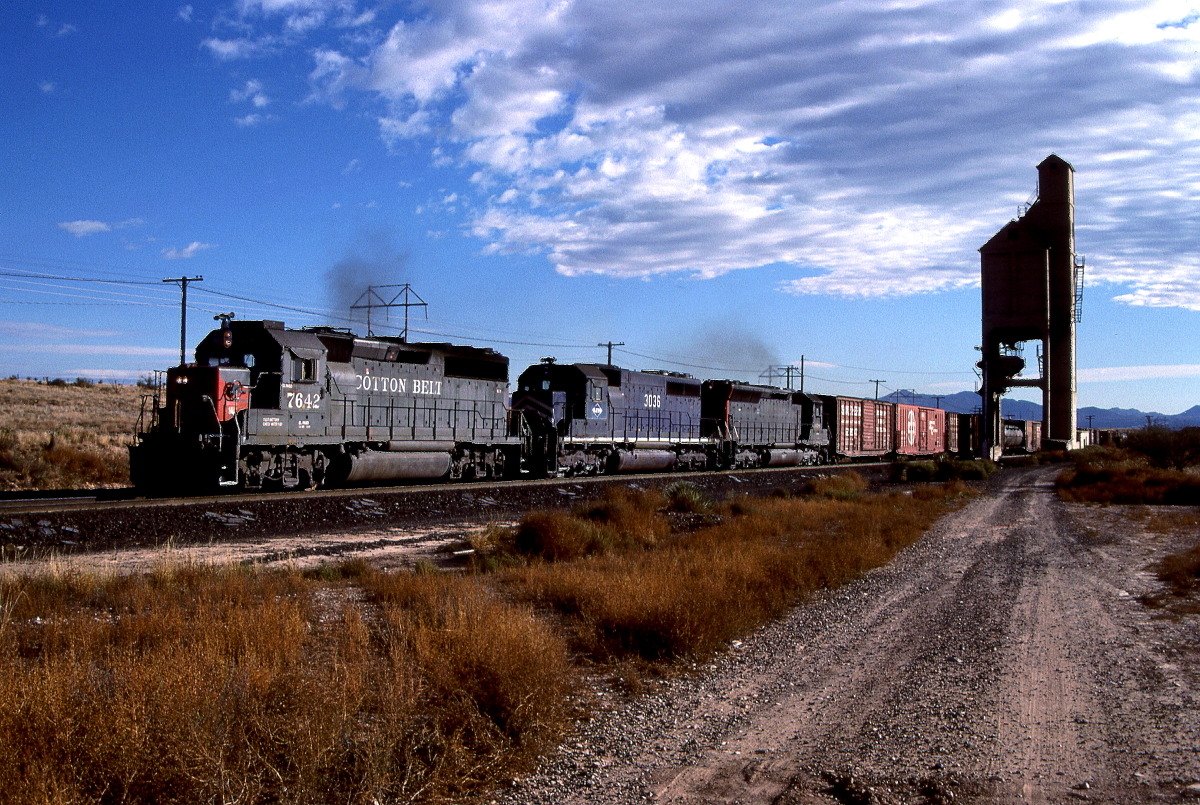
(920, 431)
(861, 428)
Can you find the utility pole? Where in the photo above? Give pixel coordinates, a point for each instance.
(801, 374)
(1090, 418)
(876, 382)
(183, 284)
(938, 400)
(610, 345)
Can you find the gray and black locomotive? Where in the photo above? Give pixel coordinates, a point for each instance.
(266, 407)
(588, 418)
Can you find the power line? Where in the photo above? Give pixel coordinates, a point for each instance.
(448, 330)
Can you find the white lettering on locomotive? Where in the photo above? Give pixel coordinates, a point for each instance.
(653, 400)
(388, 385)
(305, 402)
(426, 386)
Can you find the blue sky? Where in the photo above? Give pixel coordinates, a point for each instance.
(721, 186)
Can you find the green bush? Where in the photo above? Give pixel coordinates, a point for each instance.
(942, 470)
(685, 497)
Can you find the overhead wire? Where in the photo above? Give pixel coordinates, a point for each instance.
(446, 331)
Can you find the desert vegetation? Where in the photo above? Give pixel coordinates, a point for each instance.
(943, 470)
(347, 684)
(636, 588)
(65, 435)
(222, 684)
(1155, 466)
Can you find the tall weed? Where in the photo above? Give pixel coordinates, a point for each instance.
(1104, 475)
(201, 684)
(694, 595)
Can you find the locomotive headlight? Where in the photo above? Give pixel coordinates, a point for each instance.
(227, 338)
(181, 380)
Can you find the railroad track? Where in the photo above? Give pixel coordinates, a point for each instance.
(92, 521)
(32, 502)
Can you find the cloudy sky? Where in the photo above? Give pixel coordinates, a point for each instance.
(720, 186)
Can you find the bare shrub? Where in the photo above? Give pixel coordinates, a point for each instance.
(847, 485)
(624, 519)
(948, 470)
(1166, 448)
(685, 497)
(1181, 570)
(1105, 475)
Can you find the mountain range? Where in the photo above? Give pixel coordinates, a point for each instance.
(966, 402)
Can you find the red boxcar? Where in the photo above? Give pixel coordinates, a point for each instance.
(864, 427)
(920, 431)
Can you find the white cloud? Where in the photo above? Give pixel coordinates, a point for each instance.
(353, 166)
(185, 13)
(36, 330)
(191, 250)
(232, 49)
(874, 147)
(252, 92)
(47, 87)
(253, 119)
(1126, 373)
(81, 228)
(94, 349)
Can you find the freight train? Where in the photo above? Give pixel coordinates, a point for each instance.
(267, 407)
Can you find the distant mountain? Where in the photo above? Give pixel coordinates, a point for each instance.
(967, 402)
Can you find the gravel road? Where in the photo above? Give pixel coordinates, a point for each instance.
(1003, 658)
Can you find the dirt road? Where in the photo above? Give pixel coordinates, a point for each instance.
(1004, 658)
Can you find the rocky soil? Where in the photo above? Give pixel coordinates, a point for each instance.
(1004, 658)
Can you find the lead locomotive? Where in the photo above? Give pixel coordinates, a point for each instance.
(268, 407)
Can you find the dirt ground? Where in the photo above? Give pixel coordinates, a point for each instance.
(1004, 658)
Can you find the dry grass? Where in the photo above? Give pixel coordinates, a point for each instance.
(65, 436)
(694, 594)
(218, 684)
(346, 684)
(1106, 475)
(62, 459)
(947, 470)
(26, 405)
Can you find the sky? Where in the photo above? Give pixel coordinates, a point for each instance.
(722, 187)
